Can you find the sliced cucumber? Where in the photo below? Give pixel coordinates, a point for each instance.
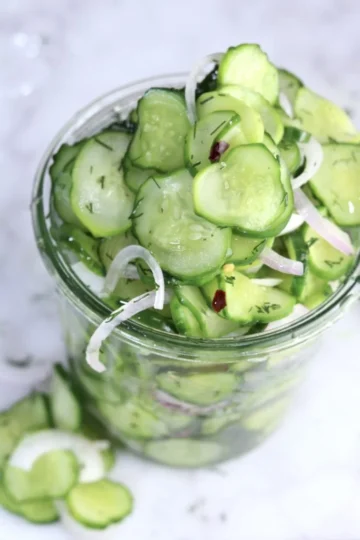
(250, 129)
(295, 135)
(243, 191)
(337, 184)
(198, 388)
(323, 119)
(247, 302)
(52, 476)
(164, 221)
(266, 416)
(290, 153)
(61, 197)
(201, 136)
(99, 196)
(184, 452)
(298, 250)
(211, 325)
(247, 65)
(84, 246)
(65, 408)
(325, 261)
(64, 159)
(159, 139)
(289, 84)
(99, 504)
(110, 247)
(184, 320)
(38, 512)
(245, 250)
(213, 425)
(135, 176)
(270, 117)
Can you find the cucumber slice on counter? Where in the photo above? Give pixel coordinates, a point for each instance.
(250, 127)
(271, 118)
(184, 452)
(199, 388)
(163, 124)
(52, 476)
(243, 191)
(184, 244)
(247, 65)
(135, 176)
(99, 504)
(65, 408)
(201, 136)
(289, 84)
(38, 512)
(325, 261)
(337, 184)
(99, 196)
(323, 119)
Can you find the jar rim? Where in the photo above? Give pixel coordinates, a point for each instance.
(85, 301)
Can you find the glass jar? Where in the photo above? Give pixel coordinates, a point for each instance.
(180, 401)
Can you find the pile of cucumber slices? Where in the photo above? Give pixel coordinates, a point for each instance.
(53, 465)
(243, 187)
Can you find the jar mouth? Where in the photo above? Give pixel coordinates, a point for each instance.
(95, 116)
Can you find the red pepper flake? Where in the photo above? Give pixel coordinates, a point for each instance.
(219, 300)
(217, 150)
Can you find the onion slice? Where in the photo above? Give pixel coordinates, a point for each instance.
(294, 223)
(170, 402)
(134, 306)
(94, 282)
(330, 232)
(285, 104)
(281, 264)
(299, 311)
(34, 445)
(313, 154)
(267, 282)
(120, 264)
(191, 83)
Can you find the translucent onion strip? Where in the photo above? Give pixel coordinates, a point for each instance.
(281, 264)
(313, 155)
(285, 104)
(294, 223)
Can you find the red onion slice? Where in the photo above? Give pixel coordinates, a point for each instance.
(313, 154)
(282, 264)
(190, 88)
(330, 232)
(170, 402)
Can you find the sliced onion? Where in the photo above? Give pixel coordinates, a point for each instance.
(285, 104)
(168, 401)
(134, 306)
(120, 264)
(253, 269)
(298, 311)
(94, 282)
(330, 232)
(191, 83)
(313, 154)
(294, 223)
(334, 285)
(34, 445)
(267, 282)
(282, 264)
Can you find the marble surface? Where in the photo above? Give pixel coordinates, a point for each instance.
(304, 483)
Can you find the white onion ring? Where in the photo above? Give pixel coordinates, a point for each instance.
(191, 83)
(267, 282)
(294, 223)
(313, 154)
(277, 262)
(285, 104)
(330, 232)
(120, 264)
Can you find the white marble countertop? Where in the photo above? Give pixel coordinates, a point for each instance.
(304, 483)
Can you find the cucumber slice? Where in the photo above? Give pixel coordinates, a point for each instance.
(38, 512)
(243, 191)
(294, 134)
(298, 250)
(159, 139)
(247, 65)
(201, 136)
(250, 129)
(198, 388)
(247, 302)
(323, 119)
(99, 197)
(184, 452)
(64, 159)
(110, 247)
(266, 416)
(164, 221)
(99, 504)
(270, 117)
(82, 244)
(213, 425)
(325, 261)
(337, 184)
(65, 408)
(61, 197)
(52, 476)
(135, 176)
(211, 325)
(184, 320)
(27, 415)
(290, 153)
(245, 250)
(132, 420)
(289, 84)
